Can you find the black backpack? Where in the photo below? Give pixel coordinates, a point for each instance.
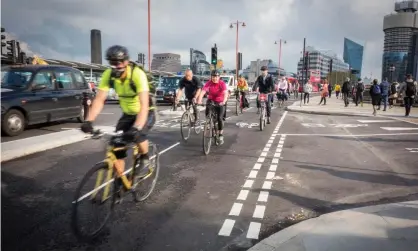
(360, 87)
(151, 82)
(410, 89)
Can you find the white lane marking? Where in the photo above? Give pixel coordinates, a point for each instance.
(273, 168)
(270, 141)
(254, 230)
(275, 131)
(248, 183)
(127, 171)
(243, 194)
(279, 150)
(377, 121)
(266, 149)
(267, 185)
(274, 135)
(399, 128)
(259, 211)
(253, 174)
(268, 145)
(275, 161)
(280, 146)
(270, 175)
(106, 113)
(263, 197)
(353, 135)
(278, 178)
(236, 209)
(277, 155)
(261, 160)
(257, 166)
(263, 154)
(227, 227)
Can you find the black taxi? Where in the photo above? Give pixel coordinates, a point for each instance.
(34, 94)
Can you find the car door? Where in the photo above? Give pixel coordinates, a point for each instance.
(69, 101)
(41, 103)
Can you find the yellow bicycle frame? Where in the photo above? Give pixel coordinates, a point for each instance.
(110, 160)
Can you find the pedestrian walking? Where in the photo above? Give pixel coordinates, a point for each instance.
(359, 92)
(346, 91)
(385, 89)
(324, 92)
(296, 90)
(408, 90)
(393, 94)
(376, 95)
(337, 90)
(307, 89)
(329, 90)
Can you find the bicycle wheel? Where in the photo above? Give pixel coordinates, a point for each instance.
(197, 125)
(96, 195)
(185, 126)
(207, 136)
(141, 194)
(262, 118)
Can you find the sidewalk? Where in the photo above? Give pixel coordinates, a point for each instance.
(336, 107)
(386, 227)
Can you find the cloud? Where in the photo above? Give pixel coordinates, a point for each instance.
(58, 28)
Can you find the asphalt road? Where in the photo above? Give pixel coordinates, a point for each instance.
(324, 163)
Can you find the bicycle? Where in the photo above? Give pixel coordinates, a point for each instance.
(263, 98)
(239, 104)
(211, 127)
(281, 97)
(188, 117)
(104, 184)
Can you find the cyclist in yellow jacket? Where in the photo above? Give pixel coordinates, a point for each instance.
(242, 87)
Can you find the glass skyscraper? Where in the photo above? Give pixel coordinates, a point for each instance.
(353, 55)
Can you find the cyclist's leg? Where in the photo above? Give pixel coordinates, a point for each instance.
(143, 143)
(124, 124)
(268, 108)
(219, 111)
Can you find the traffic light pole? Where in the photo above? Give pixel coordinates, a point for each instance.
(303, 70)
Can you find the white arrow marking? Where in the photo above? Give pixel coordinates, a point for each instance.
(398, 128)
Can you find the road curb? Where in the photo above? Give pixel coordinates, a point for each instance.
(290, 109)
(22, 147)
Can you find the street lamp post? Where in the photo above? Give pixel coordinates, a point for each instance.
(391, 70)
(149, 35)
(280, 51)
(236, 45)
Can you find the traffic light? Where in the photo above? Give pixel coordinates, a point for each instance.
(3, 38)
(11, 50)
(330, 66)
(239, 61)
(214, 60)
(306, 61)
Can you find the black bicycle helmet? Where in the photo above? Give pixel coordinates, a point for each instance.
(264, 68)
(215, 73)
(117, 53)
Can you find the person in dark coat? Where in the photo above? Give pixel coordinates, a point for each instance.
(376, 95)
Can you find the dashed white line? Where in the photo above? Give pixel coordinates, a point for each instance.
(266, 149)
(273, 168)
(260, 160)
(267, 185)
(248, 183)
(254, 230)
(277, 155)
(259, 211)
(270, 141)
(264, 154)
(270, 175)
(257, 166)
(236, 209)
(253, 174)
(268, 145)
(275, 161)
(263, 196)
(243, 194)
(227, 227)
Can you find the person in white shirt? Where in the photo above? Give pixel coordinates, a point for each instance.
(282, 89)
(307, 89)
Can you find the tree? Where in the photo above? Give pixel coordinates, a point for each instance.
(339, 77)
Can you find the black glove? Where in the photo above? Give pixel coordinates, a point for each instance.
(87, 127)
(132, 135)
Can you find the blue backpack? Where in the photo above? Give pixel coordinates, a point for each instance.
(376, 89)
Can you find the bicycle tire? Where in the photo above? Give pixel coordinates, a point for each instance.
(207, 140)
(186, 116)
(74, 219)
(262, 118)
(197, 125)
(153, 151)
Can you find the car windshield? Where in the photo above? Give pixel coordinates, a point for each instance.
(15, 78)
(170, 82)
(225, 79)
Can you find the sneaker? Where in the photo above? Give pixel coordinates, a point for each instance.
(221, 139)
(268, 120)
(142, 169)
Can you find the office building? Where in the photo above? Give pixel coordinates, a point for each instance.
(319, 62)
(398, 50)
(96, 46)
(198, 62)
(167, 62)
(353, 55)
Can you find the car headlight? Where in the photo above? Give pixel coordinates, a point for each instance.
(170, 92)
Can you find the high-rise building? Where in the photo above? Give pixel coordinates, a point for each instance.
(399, 29)
(198, 62)
(168, 62)
(96, 46)
(353, 55)
(319, 62)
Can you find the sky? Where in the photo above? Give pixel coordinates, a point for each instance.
(61, 28)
